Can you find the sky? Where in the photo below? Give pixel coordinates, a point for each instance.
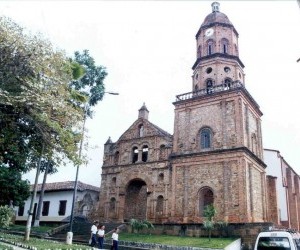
(148, 49)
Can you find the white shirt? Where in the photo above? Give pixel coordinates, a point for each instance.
(115, 236)
(101, 232)
(94, 229)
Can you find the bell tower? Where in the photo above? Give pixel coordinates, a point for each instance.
(217, 53)
(217, 145)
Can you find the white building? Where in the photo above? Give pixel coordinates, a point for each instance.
(57, 202)
(286, 189)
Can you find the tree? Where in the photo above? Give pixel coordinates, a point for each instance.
(13, 188)
(91, 84)
(38, 115)
(35, 99)
(208, 224)
(47, 167)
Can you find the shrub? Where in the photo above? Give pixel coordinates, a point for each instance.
(138, 225)
(6, 215)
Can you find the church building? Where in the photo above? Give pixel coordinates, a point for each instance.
(215, 155)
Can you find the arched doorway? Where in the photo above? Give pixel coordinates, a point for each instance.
(206, 197)
(135, 200)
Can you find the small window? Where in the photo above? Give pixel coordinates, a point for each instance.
(116, 159)
(210, 49)
(224, 44)
(135, 154)
(205, 138)
(114, 181)
(62, 207)
(227, 69)
(145, 153)
(227, 83)
(209, 86)
(45, 210)
(112, 204)
(141, 130)
(163, 149)
(196, 88)
(161, 177)
(159, 205)
(21, 211)
(208, 70)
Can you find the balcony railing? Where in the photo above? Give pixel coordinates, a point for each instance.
(210, 90)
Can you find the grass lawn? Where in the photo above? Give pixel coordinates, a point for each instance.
(41, 244)
(177, 240)
(5, 247)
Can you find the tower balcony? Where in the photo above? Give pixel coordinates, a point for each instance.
(216, 89)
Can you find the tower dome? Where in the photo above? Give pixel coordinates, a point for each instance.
(216, 16)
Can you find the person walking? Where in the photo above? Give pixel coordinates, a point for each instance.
(115, 238)
(101, 235)
(94, 233)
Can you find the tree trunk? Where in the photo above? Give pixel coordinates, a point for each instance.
(30, 212)
(41, 198)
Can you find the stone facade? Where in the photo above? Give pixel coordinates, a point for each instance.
(215, 155)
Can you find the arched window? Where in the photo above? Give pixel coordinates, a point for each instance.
(162, 152)
(205, 138)
(209, 86)
(145, 153)
(135, 154)
(206, 197)
(196, 88)
(112, 204)
(210, 47)
(116, 158)
(161, 177)
(159, 205)
(227, 83)
(224, 46)
(141, 130)
(84, 210)
(114, 181)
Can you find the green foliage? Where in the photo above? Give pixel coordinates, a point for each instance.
(12, 187)
(6, 247)
(77, 70)
(199, 242)
(138, 225)
(36, 102)
(208, 223)
(209, 212)
(41, 244)
(6, 215)
(91, 84)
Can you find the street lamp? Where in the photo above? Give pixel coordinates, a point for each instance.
(70, 233)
